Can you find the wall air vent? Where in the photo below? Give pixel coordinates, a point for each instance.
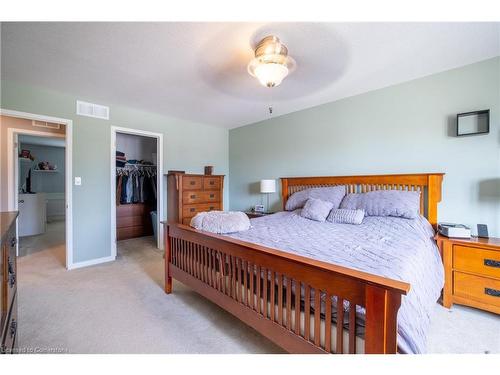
(44, 124)
(92, 110)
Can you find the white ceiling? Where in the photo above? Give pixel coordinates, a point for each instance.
(42, 141)
(197, 71)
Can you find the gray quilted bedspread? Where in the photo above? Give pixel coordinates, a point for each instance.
(401, 249)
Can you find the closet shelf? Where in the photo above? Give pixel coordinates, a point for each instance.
(138, 165)
(45, 171)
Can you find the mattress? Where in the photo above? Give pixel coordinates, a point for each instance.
(397, 248)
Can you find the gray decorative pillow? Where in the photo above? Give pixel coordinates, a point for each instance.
(345, 216)
(316, 209)
(396, 203)
(333, 194)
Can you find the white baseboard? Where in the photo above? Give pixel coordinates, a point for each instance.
(91, 262)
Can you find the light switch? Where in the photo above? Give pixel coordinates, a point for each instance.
(78, 181)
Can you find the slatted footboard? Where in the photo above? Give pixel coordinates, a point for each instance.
(302, 305)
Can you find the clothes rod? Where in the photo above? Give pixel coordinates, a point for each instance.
(138, 165)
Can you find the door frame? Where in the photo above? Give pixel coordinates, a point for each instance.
(159, 177)
(13, 173)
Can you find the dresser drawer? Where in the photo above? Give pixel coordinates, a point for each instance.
(480, 261)
(11, 279)
(192, 182)
(133, 232)
(189, 210)
(11, 266)
(131, 221)
(9, 338)
(211, 183)
(132, 209)
(481, 289)
(200, 196)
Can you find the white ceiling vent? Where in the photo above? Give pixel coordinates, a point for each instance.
(92, 110)
(44, 124)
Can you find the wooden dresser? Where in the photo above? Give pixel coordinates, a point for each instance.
(472, 272)
(8, 269)
(189, 194)
(133, 220)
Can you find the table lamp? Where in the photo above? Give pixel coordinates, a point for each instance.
(267, 187)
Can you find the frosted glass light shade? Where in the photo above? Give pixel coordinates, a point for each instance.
(268, 186)
(271, 70)
(271, 63)
(270, 75)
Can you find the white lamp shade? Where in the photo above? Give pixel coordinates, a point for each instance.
(268, 186)
(270, 74)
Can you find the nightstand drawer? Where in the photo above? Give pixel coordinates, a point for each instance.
(481, 289)
(480, 261)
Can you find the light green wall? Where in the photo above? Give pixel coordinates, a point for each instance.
(400, 129)
(187, 146)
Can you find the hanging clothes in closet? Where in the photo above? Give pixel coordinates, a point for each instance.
(136, 190)
(136, 184)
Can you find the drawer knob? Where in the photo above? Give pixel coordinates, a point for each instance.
(191, 183)
(192, 209)
(13, 242)
(212, 182)
(192, 196)
(212, 195)
(492, 263)
(492, 292)
(211, 208)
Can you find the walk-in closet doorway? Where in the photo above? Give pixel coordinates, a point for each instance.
(136, 185)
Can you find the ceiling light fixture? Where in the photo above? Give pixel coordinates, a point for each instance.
(271, 63)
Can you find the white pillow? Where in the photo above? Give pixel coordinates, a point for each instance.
(221, 222)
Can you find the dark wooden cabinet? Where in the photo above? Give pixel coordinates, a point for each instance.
(133, 220)
(8, 269)
(189, 194)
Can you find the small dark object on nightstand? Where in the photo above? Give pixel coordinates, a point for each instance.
(482, 230)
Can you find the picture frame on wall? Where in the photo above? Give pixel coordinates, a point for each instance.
(473, 123)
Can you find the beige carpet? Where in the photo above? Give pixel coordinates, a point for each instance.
(120, 307)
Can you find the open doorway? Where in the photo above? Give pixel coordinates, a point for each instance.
(136, 187)
(41, 195)
(36, 181)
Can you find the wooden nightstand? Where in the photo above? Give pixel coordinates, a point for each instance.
(253, 214)
(472, 272)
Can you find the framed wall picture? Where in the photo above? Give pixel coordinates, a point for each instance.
(473, 123)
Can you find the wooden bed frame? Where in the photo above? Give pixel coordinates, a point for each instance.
(225, 271)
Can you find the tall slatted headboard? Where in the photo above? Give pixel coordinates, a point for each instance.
(428, 184)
